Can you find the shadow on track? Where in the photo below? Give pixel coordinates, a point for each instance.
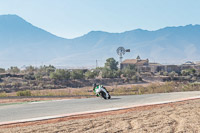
(114, 98)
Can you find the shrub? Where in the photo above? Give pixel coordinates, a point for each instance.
(134, 77)
(129, 71)
(111, 63)
(108, 73)
(77, 74)
(3, 94)
(14, 70)
(15, 84)
(165, 73)
(30, 69)
(91, 74)
(187, 72)
(29, 76)
(60, 74)
(2, 70)
(173, 74)
(46, 70)
(24, 93)
(38, 76)
(49, 69)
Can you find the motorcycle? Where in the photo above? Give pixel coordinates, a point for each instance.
(99, 90)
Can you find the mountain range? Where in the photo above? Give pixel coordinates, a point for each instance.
(22, 43)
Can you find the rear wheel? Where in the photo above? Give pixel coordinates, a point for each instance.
(109, 96)
(103, 94)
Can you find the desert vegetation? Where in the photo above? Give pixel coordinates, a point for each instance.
(185, 74)
(25, 81)
(49, 81)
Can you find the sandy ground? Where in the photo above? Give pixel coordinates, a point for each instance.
(166, 118)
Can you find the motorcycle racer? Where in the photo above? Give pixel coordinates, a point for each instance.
(100, 90)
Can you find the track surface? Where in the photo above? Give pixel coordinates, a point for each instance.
(51, 108)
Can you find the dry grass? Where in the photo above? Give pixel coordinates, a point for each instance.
(154, 88)
(129, 89)
(62, 92)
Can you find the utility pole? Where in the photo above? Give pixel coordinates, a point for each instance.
(96, 63)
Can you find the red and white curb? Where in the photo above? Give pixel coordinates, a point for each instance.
(95, 111)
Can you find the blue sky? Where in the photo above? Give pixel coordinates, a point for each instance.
(73, 18)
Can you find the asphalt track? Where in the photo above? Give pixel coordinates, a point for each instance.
(51, 109)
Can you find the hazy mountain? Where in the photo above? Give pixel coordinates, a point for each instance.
(21, 43)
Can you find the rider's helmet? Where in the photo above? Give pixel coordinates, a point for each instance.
(94, 85)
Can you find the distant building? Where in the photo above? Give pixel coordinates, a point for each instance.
(171, 68)
(189, 63)
(137, 62)
(146, 66)
(156, 67)
(141, 65)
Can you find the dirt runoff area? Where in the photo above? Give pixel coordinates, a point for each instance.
(165, 118)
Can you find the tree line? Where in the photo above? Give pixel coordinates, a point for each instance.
(110, 70)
